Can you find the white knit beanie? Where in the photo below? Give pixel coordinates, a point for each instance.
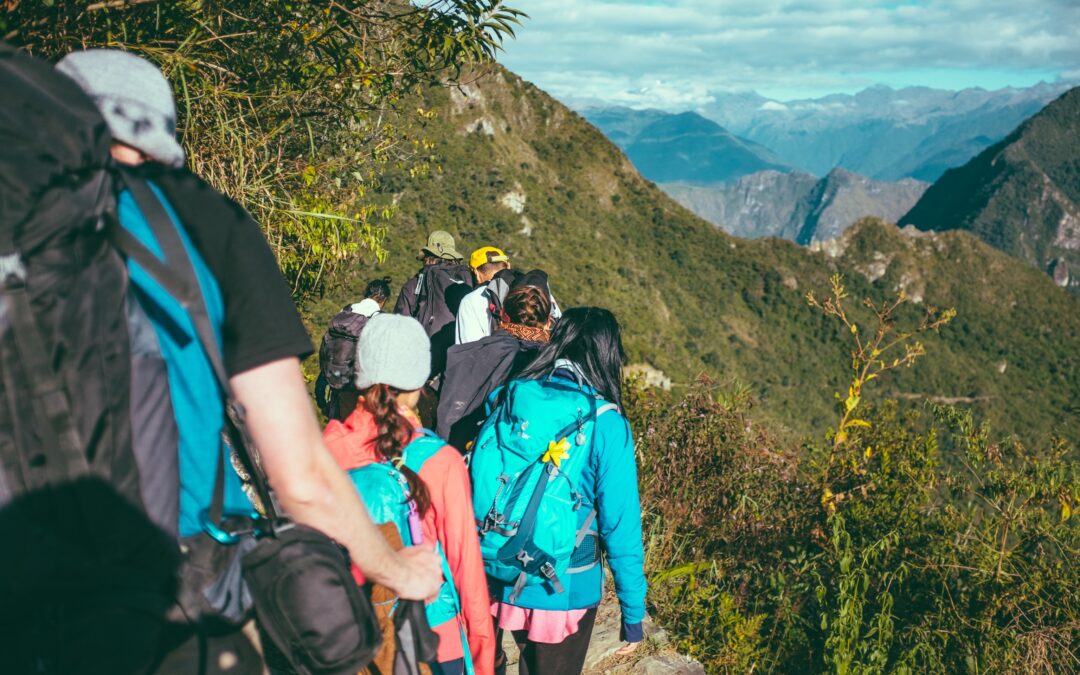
(393, 350)
(134, 98)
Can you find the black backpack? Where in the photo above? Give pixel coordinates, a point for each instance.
(431, 309)
(337, 353)
(92, 576)
(69, 483)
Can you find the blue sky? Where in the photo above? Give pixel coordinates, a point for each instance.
(674, 54)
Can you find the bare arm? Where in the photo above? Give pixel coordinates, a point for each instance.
(313, 489)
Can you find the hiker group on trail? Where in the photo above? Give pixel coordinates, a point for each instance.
(172, 502)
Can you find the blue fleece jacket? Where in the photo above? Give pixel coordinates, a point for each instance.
(610, 485)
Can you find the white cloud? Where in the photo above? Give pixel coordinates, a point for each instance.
(674, 54)
(773, 105)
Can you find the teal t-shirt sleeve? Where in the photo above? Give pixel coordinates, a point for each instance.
(618, 514)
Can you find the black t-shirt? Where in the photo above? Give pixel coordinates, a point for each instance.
(261, 322)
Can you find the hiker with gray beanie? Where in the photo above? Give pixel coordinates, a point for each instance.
(384, 432)
(262, 340)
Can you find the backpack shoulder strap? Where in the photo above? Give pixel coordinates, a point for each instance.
(422, 448)
(176, 274)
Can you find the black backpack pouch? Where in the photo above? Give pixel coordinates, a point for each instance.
(308, 604)
(416, 642)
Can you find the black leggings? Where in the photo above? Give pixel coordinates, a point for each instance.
(564, 658)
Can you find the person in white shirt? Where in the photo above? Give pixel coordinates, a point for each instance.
(474, 318)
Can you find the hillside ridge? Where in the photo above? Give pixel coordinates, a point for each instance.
(523, 171)
(1021, 195)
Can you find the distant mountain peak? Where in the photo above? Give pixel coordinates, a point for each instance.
(1021, 195)
(796, 205)
(683, 147)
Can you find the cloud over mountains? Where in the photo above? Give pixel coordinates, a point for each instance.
(673, 53)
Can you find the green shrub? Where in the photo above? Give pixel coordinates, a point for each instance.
(909, 542)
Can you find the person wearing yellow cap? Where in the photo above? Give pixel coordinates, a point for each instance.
(479, 311)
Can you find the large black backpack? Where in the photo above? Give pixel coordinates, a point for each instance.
(431, 308)
(92, 577)
(337, 353)
(77, 544)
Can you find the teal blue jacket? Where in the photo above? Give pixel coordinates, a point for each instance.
(609, 485)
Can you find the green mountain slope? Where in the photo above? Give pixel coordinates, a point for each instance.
(1021, 195)
(524, 172)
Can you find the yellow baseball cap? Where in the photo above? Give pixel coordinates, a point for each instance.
(487, 254)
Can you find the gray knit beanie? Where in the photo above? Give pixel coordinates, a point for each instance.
(393, 350)
(134, 98)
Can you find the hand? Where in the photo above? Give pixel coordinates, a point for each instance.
(627, 648)
(419, 575)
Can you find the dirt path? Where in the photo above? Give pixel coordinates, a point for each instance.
(654, 657)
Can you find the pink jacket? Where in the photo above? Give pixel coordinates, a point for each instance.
(449, 520)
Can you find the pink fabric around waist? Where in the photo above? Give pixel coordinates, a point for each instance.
(549, 626)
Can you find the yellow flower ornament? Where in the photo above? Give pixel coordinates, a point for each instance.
(557, 452)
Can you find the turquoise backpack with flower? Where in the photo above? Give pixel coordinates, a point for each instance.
(526, 467)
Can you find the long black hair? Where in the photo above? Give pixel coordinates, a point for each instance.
(590, 337)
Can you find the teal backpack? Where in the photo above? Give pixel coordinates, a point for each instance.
(385, 493)
(526, 465)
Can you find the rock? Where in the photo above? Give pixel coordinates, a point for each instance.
(650, 376)
(481, 126)
(514, 200)
(526, 226)
(667, 664)
(605, 638)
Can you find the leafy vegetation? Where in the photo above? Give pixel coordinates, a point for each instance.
(886, 549)
(910, 539)
(292, 108)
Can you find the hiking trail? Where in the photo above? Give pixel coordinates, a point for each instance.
(655, 656)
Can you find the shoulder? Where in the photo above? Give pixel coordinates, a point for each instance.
(446, 461)
(334, 431)
(475, 298)
(613, 430)
(199, 204)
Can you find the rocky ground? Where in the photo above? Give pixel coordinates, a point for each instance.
(655, 657)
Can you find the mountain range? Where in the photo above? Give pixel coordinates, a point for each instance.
(1021, 195)
(880, 132)
(683, 147)
(521, 171)
(796, 205)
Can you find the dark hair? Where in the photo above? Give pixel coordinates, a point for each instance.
(395, 432)
(590, 337)
(527, 306)
(378, 290)
(490, 268)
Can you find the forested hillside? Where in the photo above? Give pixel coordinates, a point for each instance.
(519, 170)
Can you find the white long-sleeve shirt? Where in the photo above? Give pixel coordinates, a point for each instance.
(473, 317)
